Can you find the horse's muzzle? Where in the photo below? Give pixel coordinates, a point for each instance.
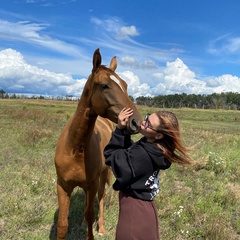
(133, 126)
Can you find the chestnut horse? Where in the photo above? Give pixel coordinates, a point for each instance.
(79, 156)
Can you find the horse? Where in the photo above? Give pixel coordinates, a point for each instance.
(79, 159)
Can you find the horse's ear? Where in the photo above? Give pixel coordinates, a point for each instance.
(97, 60)
(113, 64)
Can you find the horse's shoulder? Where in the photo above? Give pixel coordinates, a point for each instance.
(104, 124)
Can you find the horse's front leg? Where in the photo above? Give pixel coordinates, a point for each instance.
(63, 203)
(90, 195)
(101, 194)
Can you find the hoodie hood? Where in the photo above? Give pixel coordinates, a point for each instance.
(155, 153)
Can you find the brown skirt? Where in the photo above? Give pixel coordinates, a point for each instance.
(137, 219)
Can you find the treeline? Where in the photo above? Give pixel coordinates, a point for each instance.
(228, 100)
(3, 94)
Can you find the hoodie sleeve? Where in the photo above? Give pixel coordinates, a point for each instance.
(116, 155)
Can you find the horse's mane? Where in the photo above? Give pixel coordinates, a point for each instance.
(101, 67)
(104, 67)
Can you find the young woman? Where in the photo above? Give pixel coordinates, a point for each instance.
(136, 167)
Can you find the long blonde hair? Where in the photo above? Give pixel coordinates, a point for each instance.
(171, 144)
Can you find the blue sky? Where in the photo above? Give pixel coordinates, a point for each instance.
(162, 46)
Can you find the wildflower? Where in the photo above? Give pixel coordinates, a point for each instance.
(34, 182)
(178, 213)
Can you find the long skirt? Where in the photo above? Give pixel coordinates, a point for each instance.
(137, 219)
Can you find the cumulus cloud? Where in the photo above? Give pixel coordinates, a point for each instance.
(17, 76)
(224, 83)
(135, 87)
(178, 78)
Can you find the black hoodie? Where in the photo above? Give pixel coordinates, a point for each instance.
(135, 165)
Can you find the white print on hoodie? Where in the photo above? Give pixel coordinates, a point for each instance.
(153, 183)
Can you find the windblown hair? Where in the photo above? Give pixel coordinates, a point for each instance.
(172, 145)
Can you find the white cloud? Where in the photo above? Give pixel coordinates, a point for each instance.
(109, 25)
(17, 76)
(225, 45)
(148, 64)
(224, 83)
(117, 28)
(135, 87)
(178, 78)
(129, 62)
(234, 45)
(27, 32)
(125, 32)
(46, 3)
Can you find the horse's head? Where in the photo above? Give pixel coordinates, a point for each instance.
(107, 93)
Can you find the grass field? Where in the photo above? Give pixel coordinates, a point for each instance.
(198, 202)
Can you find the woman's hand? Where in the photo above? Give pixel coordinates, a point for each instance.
(123, 117)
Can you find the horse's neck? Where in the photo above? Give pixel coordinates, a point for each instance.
(81, 126)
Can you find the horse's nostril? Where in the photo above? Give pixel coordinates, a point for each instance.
(134, 123)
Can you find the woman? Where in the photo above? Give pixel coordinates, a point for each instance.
(136, 167)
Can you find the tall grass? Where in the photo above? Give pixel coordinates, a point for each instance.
(198, 202)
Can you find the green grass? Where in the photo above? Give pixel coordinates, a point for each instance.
(198, 202)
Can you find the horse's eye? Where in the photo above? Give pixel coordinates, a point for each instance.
(104, 86)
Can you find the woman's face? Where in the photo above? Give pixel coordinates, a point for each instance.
(149, 127)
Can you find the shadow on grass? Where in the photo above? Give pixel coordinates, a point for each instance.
(76, 230)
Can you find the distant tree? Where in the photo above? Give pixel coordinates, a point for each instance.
(157, 101)
(131, 98)
(2, 92)
(140, 100)
(232, 100)
(217, 100)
